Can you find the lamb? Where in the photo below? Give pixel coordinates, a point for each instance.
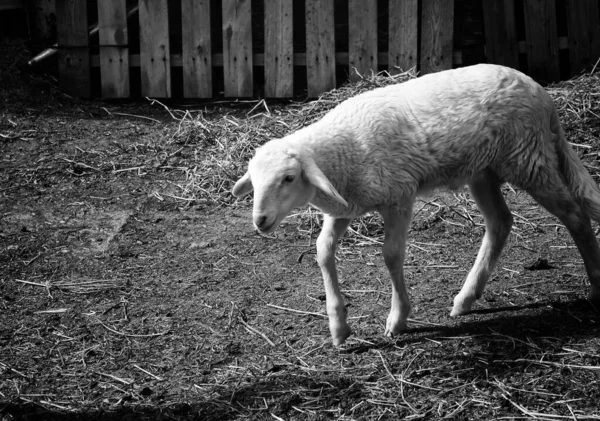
(481, 125)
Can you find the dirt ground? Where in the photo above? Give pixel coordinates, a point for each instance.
(120, 299)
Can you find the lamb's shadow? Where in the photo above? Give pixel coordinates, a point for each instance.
(558, 319)
(31, 411)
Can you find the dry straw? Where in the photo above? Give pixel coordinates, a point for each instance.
(225, 138)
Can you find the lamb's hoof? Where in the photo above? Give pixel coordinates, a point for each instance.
(462, 306)
(393, 330)
(339, 333)
(459, 312)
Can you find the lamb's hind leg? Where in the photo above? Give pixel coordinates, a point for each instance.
(559, 201)
(498, 222)
(326, 246)
(396, 223)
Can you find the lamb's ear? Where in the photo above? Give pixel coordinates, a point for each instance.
(243, 186)
(316, 177)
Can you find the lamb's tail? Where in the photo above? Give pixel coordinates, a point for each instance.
(582, 185)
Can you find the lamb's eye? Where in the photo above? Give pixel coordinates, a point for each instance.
(288, 178)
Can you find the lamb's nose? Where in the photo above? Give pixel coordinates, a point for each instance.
(260, 221)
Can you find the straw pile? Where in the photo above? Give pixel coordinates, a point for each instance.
(578, 104)
(226, 137)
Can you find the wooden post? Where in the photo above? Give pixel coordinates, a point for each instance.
(320, 47)
(541, 40)
(584, 34)
(501, 44)
(114, 51)
(73, 51)
(237, 48)
(155, 57)
(437, 35)
(279, 49)
(403, 33)
(362, 27)
(196, 49)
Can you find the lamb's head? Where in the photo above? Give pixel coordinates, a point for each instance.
(282, 178)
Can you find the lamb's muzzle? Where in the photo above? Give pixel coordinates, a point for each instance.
(263, 223)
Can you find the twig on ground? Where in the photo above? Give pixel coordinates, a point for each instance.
(297, 311)
(256, 331)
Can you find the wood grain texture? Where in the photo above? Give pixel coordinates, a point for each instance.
(403, 33)
(43, 18)
(541, 40)
(237, 48)
(73, 52)
(196, 49)
(279, 49)
(114, 50)
(437, 35)
(501, 44)
(584, 34)
(155, 60)
(320, 47)
(362, 31)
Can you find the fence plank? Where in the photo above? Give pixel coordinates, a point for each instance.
(499, 21)
(237, 48)
(73, 51)
(196, 49)
(403, 33)
(437, 35)
(154, 48)
(541, 40)
(320, 47)
(362, 31)
(584, 34)
(114, 53)
(43, 16)
(279, 49)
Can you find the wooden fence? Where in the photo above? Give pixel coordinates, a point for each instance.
(282, 48)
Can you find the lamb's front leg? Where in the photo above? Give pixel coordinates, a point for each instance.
(326, 246)
(396, 223)
(498, 222)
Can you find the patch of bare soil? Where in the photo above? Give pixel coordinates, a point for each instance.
(127, 293)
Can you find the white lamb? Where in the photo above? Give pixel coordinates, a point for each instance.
(481, 125)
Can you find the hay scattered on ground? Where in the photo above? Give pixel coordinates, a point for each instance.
(102, 360)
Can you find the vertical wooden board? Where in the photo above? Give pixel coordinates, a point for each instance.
(44, 21)
(279, 49)
(237, 48)
(362, 28)
(437, 35)
(583, 34)
(196, 49)
(155, 58)
(114, 51)
(404, 35)
(541, 40)
(112, 23)
(73, 51)
(499, 21)
(71, 28)
(320, 47)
